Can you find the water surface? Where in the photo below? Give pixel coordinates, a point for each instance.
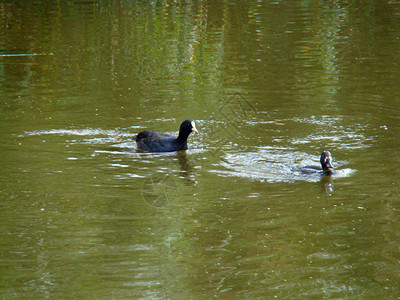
(85, 214)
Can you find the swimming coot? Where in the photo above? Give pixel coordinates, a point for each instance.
(154, 141)
(326, 164)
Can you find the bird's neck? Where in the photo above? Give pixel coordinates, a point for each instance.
(182, 136)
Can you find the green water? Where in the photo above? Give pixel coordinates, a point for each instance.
(270, 85)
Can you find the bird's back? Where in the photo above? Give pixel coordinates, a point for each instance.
(158, 142)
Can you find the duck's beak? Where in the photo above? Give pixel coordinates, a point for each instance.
(194, 128)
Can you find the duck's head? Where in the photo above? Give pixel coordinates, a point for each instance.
(187, 127)
(326, 162)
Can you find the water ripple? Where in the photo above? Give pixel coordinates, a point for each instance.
(273, 165)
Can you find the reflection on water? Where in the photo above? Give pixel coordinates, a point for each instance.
(332, 130)
(160, 171)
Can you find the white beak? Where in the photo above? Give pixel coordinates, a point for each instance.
(194, 128)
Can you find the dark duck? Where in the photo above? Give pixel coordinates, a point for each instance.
(154, 141)
(326, 165)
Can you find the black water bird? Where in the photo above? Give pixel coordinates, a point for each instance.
(154, 141)
(326, 165)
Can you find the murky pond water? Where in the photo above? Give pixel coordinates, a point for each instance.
(270, 85)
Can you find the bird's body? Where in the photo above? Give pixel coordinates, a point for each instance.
(154, 141)
(159, 142)
(326, 165)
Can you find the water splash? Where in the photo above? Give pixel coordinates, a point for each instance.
(273, 165)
